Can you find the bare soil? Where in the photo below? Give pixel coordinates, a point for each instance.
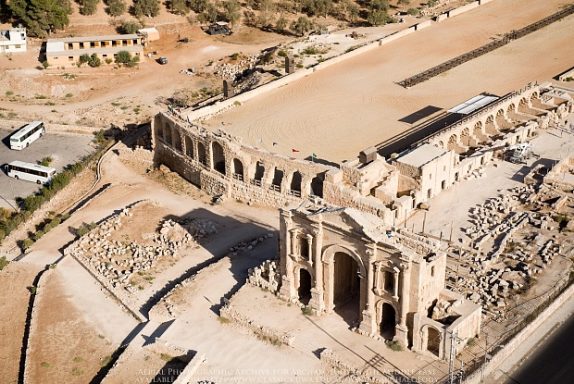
(65, 348)
(14, 298)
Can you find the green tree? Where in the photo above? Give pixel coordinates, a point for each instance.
(178, 7)
(149, 8)
(379, 5)
(209, 14)
(378, 17)
(281, 24)
(116, 7)
(232, 11)
(88, 7)
(302, 25)
(198, 6)
(41, 17)
(129, 27)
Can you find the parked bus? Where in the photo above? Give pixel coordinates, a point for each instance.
(31, 172)
(27, 135)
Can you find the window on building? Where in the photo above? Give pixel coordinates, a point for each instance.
(18, 46)
(432, 271)
(70, 46)
(70, 58)
(92, 44)
(430, 175)
(389, 283)
(81, 45)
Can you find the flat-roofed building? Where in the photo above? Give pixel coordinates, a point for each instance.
(66, 52)
(13, 40)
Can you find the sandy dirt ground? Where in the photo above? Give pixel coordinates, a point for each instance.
(14, 297)
(311, 333)
(338, 111)
(233, 355)
(104, 95)
(64, 346)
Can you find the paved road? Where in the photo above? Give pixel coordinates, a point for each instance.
(546, 357)
(64, 149)
(553, 363)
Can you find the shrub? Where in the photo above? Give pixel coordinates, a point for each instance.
(84, 59)
(94, 61)
(46, 161)
(125, 58)
(3, 262)
(27, 243)
(395, 346)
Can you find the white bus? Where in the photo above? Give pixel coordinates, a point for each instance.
(27, 135)
(31, 172)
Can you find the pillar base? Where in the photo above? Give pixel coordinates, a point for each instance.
(401, 335)
(368, 325)
(317, 302)
(286, 292)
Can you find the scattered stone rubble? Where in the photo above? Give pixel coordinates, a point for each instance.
(511, 242)
(117, 261)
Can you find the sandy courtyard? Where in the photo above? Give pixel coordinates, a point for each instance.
(350, 106)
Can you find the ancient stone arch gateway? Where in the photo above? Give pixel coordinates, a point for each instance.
(383, 283)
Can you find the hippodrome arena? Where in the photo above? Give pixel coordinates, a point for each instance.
(301, 135)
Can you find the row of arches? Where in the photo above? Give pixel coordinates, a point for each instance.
(212, 155)
(503, 120)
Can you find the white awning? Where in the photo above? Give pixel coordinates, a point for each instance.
(473, 104)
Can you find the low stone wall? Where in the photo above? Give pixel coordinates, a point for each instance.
(190, 369)
(274, 336)
(511, 346)
(463, 9)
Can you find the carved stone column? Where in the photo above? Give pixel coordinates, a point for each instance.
(309, 248)
(287, 290)
(396, 281)
(369, 323)
(315, 247)
(401, 334)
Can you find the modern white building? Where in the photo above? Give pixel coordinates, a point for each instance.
(13, 40)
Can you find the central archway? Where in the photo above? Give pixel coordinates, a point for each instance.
(346, 287)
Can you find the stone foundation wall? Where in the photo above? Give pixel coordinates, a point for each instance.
(272, 335)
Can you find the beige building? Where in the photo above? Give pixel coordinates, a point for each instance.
(13, 40)
(66, 52)
(384, 283)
